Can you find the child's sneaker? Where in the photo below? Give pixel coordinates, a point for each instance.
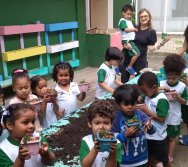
(131, 70)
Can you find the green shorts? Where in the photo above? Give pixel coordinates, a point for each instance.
(173, 130)
(133, 52)
(184, 111)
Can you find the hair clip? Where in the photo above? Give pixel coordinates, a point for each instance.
(18, 71)
(5, 111)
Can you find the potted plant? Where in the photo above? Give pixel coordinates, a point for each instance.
(36, 103)
(32, 143)
(83, 86)
(169, 94)
(132, 122)
(51, 92)
(105, 139)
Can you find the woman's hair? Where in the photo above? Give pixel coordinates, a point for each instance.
(103, 108)
(62, 65)
(126, 94)
(148, 78)
(174, 64)
(13, 112)
(150, 18)
(19, 73)
(127, 7)
(113, 53)
(186, 34)
(35, 81)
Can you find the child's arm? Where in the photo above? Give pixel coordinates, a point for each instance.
(59, 114)
(112, 162)
(106, 87)
(89, 159)
(47, 157)
(130, 29)
(162, 110)
(81, 96)
(118, 82)
(182, 99)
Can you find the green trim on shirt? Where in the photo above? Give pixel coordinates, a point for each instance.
(101, 75)
(123, 25)
(184, 95)
(162, 108)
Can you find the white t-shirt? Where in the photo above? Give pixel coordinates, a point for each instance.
(109, 80)
(50, 116)
(127, 35)
(161, 127)
(68, 100)
(174, 116)
(17, 100)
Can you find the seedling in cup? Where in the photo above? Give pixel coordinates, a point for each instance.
(105, 139)
(170, 94)
(36, 103)
(83, 86)
(52, 93)
(32, 143)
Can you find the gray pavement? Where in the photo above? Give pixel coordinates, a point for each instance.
(155, 62)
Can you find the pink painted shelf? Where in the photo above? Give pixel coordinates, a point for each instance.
(21, 29)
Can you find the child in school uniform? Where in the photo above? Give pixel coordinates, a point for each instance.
(106, 74)
(67, 90)
(130, 125)
(157, 107)
(100, 116)
(173, 67)
(19, 119)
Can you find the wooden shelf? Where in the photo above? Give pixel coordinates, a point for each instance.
(61, 47)
(21, 29)
(23, 53)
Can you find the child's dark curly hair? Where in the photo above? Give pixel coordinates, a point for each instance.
(62, 65)
(103, 108)
(174, 64)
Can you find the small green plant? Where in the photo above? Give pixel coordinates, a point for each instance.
(83, 81)
(26, 139)
(105, 134)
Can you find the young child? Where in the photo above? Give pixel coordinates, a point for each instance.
(100, 116)
(157, 107)
(132, 137)
(173, 67)
(106, 75)
(19, 119)
(68, 91)
(21, 85)
(128, 36)
(49, 107)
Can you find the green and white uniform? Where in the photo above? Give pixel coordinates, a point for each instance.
(107, 75)
(9, 150)
(160, 106)
(87, 144)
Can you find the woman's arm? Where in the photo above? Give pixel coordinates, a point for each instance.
(183, 49)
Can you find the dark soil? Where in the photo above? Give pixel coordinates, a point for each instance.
(68, 139)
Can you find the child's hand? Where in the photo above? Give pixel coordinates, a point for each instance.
(23, 153)
(44, 149)
(175, 95)
(131, 131)
(166, 89)
(96, 145)
(127, 46)
(60, 114)
(142, 107)
(148, 124)
(46, 98)
(135, 29)
(113, 147)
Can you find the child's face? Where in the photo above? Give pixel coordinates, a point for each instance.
(98, 123)
(22, 88)
(149, 91)
(114, 62)
(63, 77)
(24, 125)
(172, 79)
(127, 15)
(127, 109)
(41, 88)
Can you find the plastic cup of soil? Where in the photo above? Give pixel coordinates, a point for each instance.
(52, 93)
(105, 140)
(35, 103)
(133, 122)
(32, 144)
(169, 95)
(83, 86)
